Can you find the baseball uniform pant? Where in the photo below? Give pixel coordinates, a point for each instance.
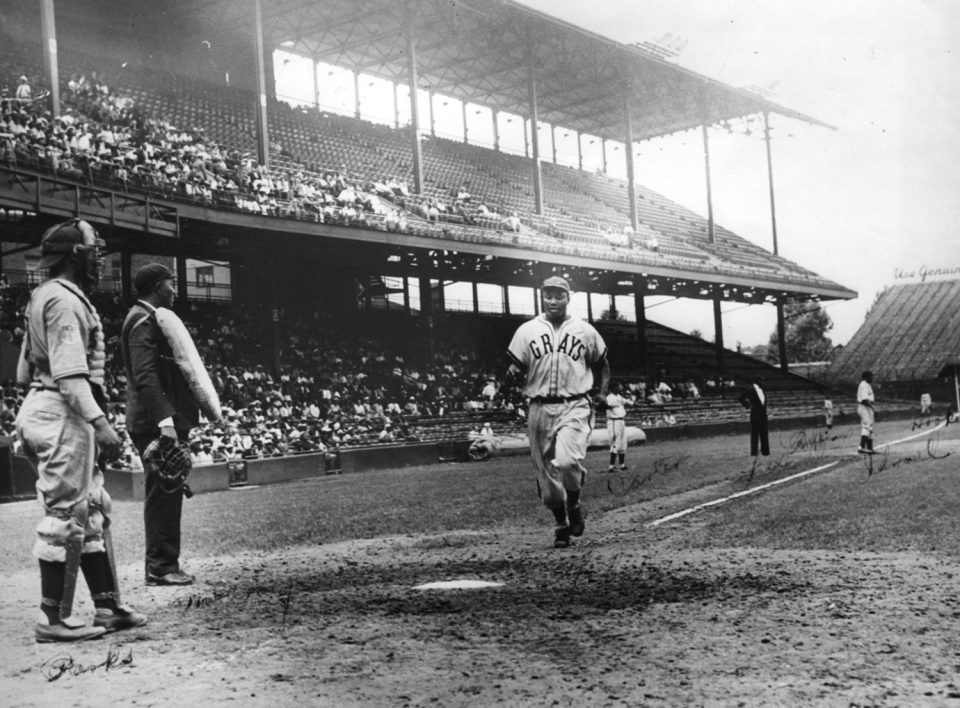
(759, 434)
(559, 433)
(162, 510)
(866, 420)
(62, 448)
(617, 430)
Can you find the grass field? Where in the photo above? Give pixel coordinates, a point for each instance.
(905, 505)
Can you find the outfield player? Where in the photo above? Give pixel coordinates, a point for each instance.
(562, 359)
(865, 409)
(617, 427)
(63, 428)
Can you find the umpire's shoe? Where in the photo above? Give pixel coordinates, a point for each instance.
(67, 630)
(576, 521)
(561, 537)
(176, 578)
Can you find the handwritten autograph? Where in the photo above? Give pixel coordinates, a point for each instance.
(65, 665)
(620, 485)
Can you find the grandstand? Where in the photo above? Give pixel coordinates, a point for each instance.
(909, 336)
(224, 170)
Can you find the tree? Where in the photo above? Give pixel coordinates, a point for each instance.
(695, 332)
(807, 324)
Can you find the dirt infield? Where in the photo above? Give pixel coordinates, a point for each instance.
(630, 616)
(618, 620)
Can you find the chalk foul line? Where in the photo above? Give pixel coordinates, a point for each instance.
(754, 490)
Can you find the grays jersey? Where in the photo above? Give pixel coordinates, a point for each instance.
(557, 361)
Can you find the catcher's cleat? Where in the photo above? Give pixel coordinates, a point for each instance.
(623, 468)
(175, 578)
(122, 618)
(561, 537)
(577, 525)
(864, 451)
(611, 469)
(66, 630)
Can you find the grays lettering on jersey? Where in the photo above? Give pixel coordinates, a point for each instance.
(557, 361)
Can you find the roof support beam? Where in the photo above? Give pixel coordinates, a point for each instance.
(263, 138)
(414, 111)
(535, 140)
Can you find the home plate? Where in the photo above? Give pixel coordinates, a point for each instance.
(457, 585)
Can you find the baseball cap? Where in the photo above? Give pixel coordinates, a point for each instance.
(149, 276)
(556, 282)
(59, 240)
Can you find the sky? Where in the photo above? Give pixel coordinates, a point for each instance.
(868, 205)
(878, 194)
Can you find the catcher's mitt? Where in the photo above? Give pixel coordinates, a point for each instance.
(170, 459)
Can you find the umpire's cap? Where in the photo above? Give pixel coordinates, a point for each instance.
(149, 276)
(556, 282)
(59, 241)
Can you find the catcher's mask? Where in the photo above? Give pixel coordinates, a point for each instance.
(170, 459)
(78, 239)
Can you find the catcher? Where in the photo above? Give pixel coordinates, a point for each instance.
(63, 428)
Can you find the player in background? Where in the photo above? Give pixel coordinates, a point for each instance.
(63, 428)
(865, 409)
(617, 427)
(562, 359)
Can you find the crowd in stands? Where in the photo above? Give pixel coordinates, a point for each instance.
(337, 389)
(105, 138)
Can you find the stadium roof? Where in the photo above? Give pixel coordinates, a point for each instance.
(479, 51)
(911, 332)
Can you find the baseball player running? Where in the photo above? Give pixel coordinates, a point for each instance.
(561, 358)
(865, 409)
(617, 427)
(63, 428)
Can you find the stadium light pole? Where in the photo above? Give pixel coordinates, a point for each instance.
(263, 139)
(51, 67)
(413, 82)
(781, 323)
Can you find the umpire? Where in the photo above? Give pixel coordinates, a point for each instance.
(159, 404)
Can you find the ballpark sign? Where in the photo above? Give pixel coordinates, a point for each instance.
(924, 272)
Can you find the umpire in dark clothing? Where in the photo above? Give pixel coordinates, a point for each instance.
(159, 403)
(755, 398)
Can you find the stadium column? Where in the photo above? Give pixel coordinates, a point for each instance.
(50, 66)
(535, 140)
(603, 148)
(433, 120)
(589, 307)
(782, 336)
(496, 130)
(466, 127)
(536, 302)
(781, 325)
(718, 329)
(706, 159)
(426, 308)
(316, 84)
(506, 299)
(396, 106)
(413, 81)
(580, 149)
(640, 309)
(182, 279)
(356, 95)
(553, 142)
(476, 298)
(263, 136)
(631, 188)
(126, 276)
(406, 296)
